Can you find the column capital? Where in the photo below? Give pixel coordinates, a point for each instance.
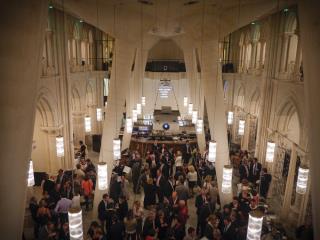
(51, 130)
(78, 113)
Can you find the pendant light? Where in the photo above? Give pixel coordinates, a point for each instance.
(99, 114)
(270, 151)
(30, 175)
(59, 146)
(212, 151)
(255, 225)
(102, 176)
(194, 117)
(129, 125)
(139, 108)
(230, 118)
(116, 149)
(190, 108)
(143, 101)
(241, 127)
(199, 126)
(227, 179)
(302, 181)
(185, 101)
(134, 116)
(75, 224)
(87, 124)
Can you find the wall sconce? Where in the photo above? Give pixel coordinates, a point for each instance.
(87, 124)
(59, 146)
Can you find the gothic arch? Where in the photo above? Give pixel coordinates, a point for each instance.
(75, 100)
(254, 103)
(89, 94)
(240, 97)
(47, 108)
(290, 25)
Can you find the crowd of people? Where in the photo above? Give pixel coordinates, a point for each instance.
(169, 178)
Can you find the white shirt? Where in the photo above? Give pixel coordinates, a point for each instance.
(192, 176)
(178, 161)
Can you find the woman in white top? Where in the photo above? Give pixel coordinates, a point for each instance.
(177, 162)
(192, 177)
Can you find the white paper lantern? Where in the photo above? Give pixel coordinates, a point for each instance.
(194, 117)
(230, 118)
(59, 146)
(134, 115)
(190, 108)
(116, 149)
(241, 127)
(129, 125)
(105, 104)
(139, 108)
(30, 175)
(255, 225)
(212, 151)
(87, 124)
(302, 181)
(270, 151)
(143, 101)
(185, 101)
(102, 176)
(75, 224)
(199, 126)
(227, 179)
(99, 114)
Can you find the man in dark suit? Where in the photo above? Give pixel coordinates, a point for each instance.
(102, 208)
(199, 202)
(229, 231)
(161, 185)
(256, 170)
(265, 183)
(208, 232)
(187, 152)
(244, 170)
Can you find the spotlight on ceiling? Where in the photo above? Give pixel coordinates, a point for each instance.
(146, 2)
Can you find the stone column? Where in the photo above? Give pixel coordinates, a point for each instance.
(246, 136)
(212, 77)
(78, 127)
(310, 38)
(20, 71)
(120, 75)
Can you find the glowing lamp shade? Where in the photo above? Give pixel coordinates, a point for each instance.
(143, 101)
(102, 176)
(139, 108)
(134, 115)
(87, 124)
(190, 108)
(230, 118)
(194, 117)
(129, 125)
(255, 225)
(241, 127)
(185, 101)
(302, 181)
(99, 114)
(181, 124)
(116, 149)
(212, 151)
(59, 146)
(75, 224)
(199, 126)
(227, 179)
(270, 151)
(30, 175)
(105, 104)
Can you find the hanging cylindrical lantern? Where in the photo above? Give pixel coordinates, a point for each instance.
(199, 126)
(230, 118)
(87, 124)
(212, 151)
(102, 176)
(143, 101)
(185, 101)
(190, 108)
(75, 224)
(59, 146)
(255, 225)
(30, 175)
(134, 115)
(99, 114)
(241, 127)
(194, 117)
(302, 181)
(227, 179)
(129, 125)
(105, 104)
(270, 151)
(116, 149)
(139, 108)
